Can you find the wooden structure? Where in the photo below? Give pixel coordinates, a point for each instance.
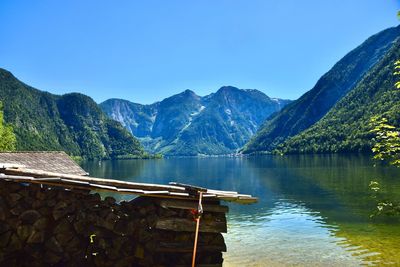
(52, 161)
(168, 209)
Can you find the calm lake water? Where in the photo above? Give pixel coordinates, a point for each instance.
(313, 210)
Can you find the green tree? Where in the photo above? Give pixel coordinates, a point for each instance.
(7, 136)
(386, 148)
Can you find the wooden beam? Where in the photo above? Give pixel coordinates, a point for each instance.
(184, 247)
(202, 265)
(189, 205)
(187, 225)
(189, 187)
(101, 181)
(91, 183)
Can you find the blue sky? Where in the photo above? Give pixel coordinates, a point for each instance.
(145, 51)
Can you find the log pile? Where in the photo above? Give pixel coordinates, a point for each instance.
(44, 225)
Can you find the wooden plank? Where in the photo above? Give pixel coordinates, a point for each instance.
(51, 179)
(209, 196)
(101, 181)
(174, 190)
(17, 178)
(103, 186)
(201, 265)
(243, 196)
(189, 187)
(246, 201)
(75, 182)
(213, 191)
(126, 190)
(178, 194)
(53, 183)
(155, 192)
(187, 225)
(185, 247)
(187, 204)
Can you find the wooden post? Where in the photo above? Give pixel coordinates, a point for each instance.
(200, 211)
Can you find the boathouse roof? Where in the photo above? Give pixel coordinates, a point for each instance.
(51, 161)
(58, 169)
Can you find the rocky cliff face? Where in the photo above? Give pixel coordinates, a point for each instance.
(187, 124)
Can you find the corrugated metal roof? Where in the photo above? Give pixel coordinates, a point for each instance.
(51, 161)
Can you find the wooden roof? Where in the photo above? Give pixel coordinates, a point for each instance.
(69, 181)
(51, 161)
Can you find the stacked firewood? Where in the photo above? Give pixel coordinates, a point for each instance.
(54, 226)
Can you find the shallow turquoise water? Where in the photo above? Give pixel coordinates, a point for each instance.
(313, 210)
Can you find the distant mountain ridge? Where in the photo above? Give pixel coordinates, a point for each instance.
(187, 124)
(73, 123)
(330, 88)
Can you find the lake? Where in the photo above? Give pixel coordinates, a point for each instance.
(313, 210)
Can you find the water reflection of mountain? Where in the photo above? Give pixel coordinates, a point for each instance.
(115, 169)
(336, 187)
(308, 204)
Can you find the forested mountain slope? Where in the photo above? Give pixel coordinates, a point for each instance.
(346, 127)
(331, 87)
(73, 122)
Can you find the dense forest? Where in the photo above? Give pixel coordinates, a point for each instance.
(346, 128)
(316, 103)
(73, 123)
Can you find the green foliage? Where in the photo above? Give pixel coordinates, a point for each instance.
(77, 159)
(397, 73)
(73, 123)
(387, 137)
(384, 206)
(386, 141)
(386, 147)
(7, 136)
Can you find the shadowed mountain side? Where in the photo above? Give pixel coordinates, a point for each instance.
(346, 128)
(331, 87)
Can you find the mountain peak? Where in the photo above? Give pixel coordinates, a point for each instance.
(187, 124)
(188, 91)
(228, 89)
(5, 74)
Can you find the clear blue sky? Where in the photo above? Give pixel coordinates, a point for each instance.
(145, 51)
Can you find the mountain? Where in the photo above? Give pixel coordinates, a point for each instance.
(187, 124)
(330, 88)
(346, 126)
(72, 122)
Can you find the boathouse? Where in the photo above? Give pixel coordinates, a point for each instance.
(52, 214)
